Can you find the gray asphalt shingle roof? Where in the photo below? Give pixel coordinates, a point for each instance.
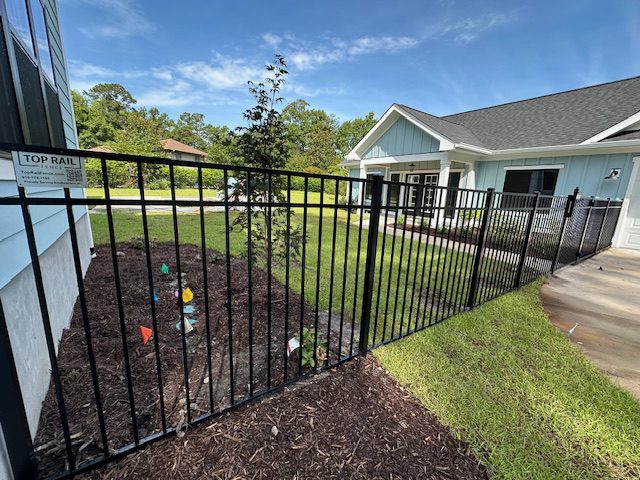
(557, 119)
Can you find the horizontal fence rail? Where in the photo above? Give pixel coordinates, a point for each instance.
(194, 306)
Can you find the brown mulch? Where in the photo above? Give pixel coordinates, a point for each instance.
(352, 422)
(206, 393)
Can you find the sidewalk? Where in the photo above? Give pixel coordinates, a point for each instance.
(602, 295)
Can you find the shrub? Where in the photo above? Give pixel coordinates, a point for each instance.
(159, 184)
(211, 178)
(185, 177)
(119, 174)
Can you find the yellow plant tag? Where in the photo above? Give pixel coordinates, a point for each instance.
(187, 295)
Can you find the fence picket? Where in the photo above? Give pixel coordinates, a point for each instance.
(494, 242)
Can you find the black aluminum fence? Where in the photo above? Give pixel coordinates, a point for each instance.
(228, 282)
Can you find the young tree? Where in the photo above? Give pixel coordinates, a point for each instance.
(262, 143)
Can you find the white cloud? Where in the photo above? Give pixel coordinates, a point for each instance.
(118, 19)
(272, 39)
(309, 55)
(222, 73)
(468, 29)
(218, 81)
(306, 55)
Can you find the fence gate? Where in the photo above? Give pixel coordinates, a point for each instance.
(198, 300)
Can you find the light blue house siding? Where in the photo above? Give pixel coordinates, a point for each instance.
(584, 171)
(60, 72)
(49, 222)
(402, 138)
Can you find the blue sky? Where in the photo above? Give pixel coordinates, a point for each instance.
(348, 57)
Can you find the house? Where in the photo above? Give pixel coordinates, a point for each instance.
(35, 107)
(179, 151)
(587, 138)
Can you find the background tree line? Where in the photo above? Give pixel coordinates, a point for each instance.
(107, 115)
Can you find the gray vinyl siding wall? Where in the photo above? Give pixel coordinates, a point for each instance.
(402, 138)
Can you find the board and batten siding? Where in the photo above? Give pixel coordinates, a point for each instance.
(584, 171)
(402, 138)
(49, 221)
(60, 73)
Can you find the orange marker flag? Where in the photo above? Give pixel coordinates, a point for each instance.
(187, 295)
(146, 334)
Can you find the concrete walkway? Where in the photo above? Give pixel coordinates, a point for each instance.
(602, 295)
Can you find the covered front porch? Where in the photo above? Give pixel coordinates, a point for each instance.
(413, 180)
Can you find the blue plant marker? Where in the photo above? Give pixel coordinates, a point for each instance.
(188, 309)
(155, 295)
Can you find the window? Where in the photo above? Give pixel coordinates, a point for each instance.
(10, 128)
(55, 116)
(33, 101)
(367, 189)
(530, 181)
(393, 191)
(40, 27)
(19, 19)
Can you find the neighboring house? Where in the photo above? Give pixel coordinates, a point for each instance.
(35, 108)
(587, 138)
(173, 149)
(179, 151)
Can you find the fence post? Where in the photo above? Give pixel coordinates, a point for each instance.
(568, 212)
(13, 417)
(482, 238)
(584, 231)
(370, 264)
(527, 241)
(604, 219)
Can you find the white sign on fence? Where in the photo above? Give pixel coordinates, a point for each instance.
(49, 170)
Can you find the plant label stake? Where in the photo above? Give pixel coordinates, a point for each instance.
(164, 269)
(292, 344)
(146, 333)
(155, 296)
(188, 309)
(188, 325)
(187, 295)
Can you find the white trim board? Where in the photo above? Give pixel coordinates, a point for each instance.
(614, 129)
(534, 167)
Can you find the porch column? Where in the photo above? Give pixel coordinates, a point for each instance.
(443, 181)
(470, 176)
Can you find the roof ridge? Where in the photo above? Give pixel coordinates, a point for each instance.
(541, 96)
(432, 115)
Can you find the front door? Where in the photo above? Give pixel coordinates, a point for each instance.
(630, 223)
(421, 195)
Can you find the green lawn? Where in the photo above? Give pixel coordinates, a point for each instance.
(529, 403)
(394, 302)
(134, 192)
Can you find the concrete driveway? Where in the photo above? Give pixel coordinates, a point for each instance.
(602, 295)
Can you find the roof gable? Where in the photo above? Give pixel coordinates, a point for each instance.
(402, 138)
(175, 146)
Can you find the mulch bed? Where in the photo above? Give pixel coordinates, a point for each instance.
(205, 393)
(352, 422)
